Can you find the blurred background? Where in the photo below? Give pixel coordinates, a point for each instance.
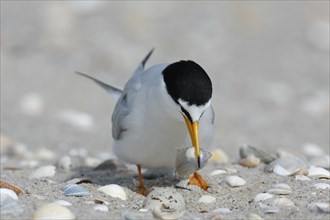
(268, 60)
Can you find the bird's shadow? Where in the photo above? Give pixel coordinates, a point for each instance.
(115, 172)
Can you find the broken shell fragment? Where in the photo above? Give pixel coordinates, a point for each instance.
(10, 186)
(280, 189)
(53, 211)
(114, 190)
(247, 150)
(72, 189)
(318, 172)
(289, 165)
(206, 199)
(186, 161)
(250, 161)
(42, 172)
(235, 181)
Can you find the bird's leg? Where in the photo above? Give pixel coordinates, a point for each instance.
(197, 180)
(141, 189)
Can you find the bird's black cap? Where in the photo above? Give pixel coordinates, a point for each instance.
(189, 81)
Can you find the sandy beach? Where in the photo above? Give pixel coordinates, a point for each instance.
(269, 64)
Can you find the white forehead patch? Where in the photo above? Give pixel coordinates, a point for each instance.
(194, 110)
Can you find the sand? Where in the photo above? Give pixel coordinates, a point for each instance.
(269, 63)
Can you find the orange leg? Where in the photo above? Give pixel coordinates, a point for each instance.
(141, 189)
(197, 180)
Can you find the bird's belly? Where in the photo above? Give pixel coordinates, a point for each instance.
(152, 148)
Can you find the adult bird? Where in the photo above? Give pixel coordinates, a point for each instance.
(156, 113)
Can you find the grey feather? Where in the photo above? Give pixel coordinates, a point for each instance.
(113, 91)
(124, 104)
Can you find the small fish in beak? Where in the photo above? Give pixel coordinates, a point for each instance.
(186, 161)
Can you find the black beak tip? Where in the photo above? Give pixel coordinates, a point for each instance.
(199, 161)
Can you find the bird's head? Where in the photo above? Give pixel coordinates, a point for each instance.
(191, 89)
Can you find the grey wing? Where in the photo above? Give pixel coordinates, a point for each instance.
(119, 114)
(124, 104)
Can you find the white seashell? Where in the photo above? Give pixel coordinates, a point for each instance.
(143, 210)
(318, 172)
(283, 202)
(72, 189)
(250, 161)
(262, 196)
(254, 216)
(322, 186)
(302, 178)
(222, 210)
(78, 119)
(217, 172)
(280, 189)
(53, 211)
(62, 202)
(219, 156)
(235, 181)
(32, 104)
(114, 190)
(166, 198)
(206, 199)
(7, 194)
(288, 165)
(312, 150)
(319, 207)
(102, 208)
(45, 171)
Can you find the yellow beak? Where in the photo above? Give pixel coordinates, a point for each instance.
(193, 132)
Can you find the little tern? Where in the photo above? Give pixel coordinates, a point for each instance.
(147, 121)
